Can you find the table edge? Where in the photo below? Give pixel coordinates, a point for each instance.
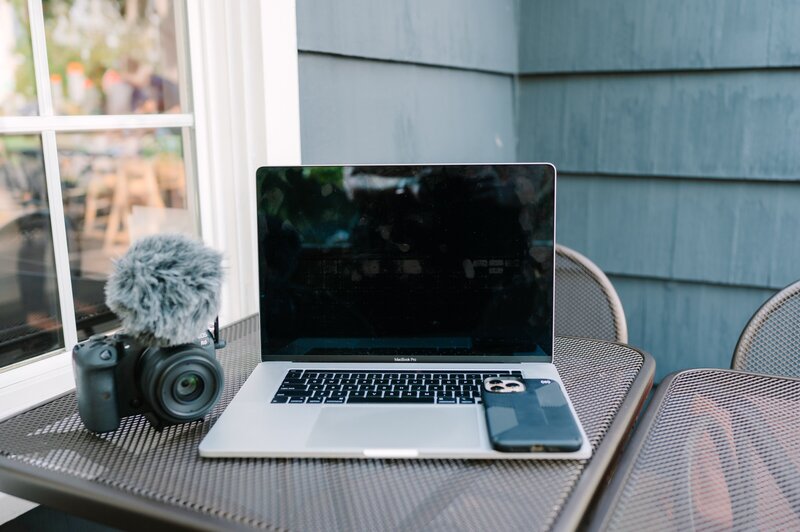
(97, 503)
(585, 492)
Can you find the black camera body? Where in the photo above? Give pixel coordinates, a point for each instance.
(116, 376)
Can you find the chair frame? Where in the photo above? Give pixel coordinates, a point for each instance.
(620, 323)
(745, 343)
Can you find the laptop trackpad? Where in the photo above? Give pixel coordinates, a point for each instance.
(396, 427)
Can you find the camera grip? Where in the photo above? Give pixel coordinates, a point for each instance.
(94, 386)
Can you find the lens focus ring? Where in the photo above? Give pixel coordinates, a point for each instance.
(181, 384)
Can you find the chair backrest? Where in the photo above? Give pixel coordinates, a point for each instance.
(770, 343)
(586, 303)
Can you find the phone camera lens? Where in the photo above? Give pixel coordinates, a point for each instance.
(512, 385)
(497, 388)
(495, 381)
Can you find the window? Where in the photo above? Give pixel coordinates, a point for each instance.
(96, 137)
(55, 161)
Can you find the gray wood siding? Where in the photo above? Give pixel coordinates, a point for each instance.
(675, 127)
(469, 34)
(732, 233)
(635, 35)
(686, 324)
(357, 111)
(407, 81)
(726, 125)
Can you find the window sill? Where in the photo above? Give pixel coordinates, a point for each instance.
(36, 383)
(24, 388)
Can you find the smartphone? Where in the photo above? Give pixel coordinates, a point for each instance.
(529, 415)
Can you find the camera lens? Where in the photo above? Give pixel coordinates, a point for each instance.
(181, 383)
(188, 387)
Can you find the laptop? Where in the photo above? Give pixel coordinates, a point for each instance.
(387, 295)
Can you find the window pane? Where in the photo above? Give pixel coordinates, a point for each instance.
(30, 321)
(17, 84)
(112, 56)
(117, 186)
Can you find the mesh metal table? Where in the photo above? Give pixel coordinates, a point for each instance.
(138, 477)
(716, 450)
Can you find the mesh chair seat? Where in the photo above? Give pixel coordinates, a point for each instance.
(586, 303)
(770, 343)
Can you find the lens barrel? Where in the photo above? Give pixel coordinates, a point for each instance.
(181, 383)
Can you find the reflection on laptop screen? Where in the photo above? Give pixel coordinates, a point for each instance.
(406, 263)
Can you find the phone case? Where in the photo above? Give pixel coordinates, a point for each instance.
(529, 415)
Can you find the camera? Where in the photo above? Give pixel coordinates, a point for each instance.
(117, 376)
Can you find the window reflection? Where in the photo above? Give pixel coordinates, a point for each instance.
(112, 56)
(17, 84)
(30, 322)
(117, 186)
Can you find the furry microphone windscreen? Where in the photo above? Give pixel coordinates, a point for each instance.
(166, 289)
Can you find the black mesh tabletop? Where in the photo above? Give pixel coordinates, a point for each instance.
(137, 476)
(717, 450)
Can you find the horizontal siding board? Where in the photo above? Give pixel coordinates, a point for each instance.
(634, 35)
(706, 124)
(360, 111)
(741, 234)
(624, 229)
(471, 34)
(784, 47)
(686, 325)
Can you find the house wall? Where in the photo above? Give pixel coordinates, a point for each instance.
(411, 81)
(675, 127)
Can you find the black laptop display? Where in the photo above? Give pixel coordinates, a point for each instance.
(406, 263)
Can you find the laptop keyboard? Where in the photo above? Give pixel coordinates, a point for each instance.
(354, 387)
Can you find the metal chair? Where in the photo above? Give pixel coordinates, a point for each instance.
(586, 303)
(770, 343)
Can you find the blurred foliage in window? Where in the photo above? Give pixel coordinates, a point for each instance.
(17, 83)
(107, 56)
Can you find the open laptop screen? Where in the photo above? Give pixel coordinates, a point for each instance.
(406, 263)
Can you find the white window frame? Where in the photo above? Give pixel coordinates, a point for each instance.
(246, 115)
(40, 378)
(245, 118)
